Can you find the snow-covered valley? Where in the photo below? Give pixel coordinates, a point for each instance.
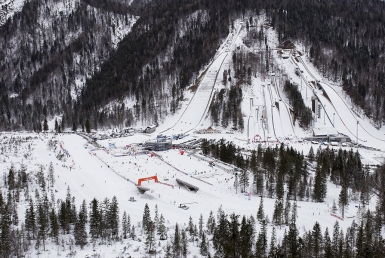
(115, 166)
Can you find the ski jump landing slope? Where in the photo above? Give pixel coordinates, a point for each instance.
(340, 116)
(195, 112)
(199, 105)
(346, 121)
(284, 114)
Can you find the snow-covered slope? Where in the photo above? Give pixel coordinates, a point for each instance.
(268, 98)
(8, 8)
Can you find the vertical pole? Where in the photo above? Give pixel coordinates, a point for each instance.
(333, 120)
(357, 131)
(306, 87)
(324, 114)
(248, 129)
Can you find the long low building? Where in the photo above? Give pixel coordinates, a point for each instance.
(324, 131)
(332, 138)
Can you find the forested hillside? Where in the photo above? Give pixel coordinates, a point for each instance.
(47, 52)
(50, 53)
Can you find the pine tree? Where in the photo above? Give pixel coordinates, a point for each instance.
(273, 242)
(233, 247)
(261, 245)
(54, 225)
(311, 154)
(156, 217)
(5, 236)
(80, 233)
(184, 244)
(73, 213)
(43, 222)
(259, 182)
(125, 227)
(150, 237)
(336, 238)
(105, 226)
(168, 253)
(334, 207)
(133, 233)
(292, 239)
(30, 220)
(343, 200)
(113, 217)
(236, 182)
(244, 180)
(13, 207)
(210, 223)
(146, 217)
(341, 245)
(51, 176)
(70, 209)
(56, 126)
(63, 123)
(360, 249)
(176, 244)
(351, 237)
(261, 213)
(128, 223)
(162, 230)
(45, 126)
(253, 162)
(293, 213)
(191, 227)
(327, 245)
(287, 210)
(37, 245)
(246, 237)
(365, 189)
(95, 219)
(319, 192)
(278, 211)
(41, 178)
(200, 225)
(316, 240)
(222, 236)
(368, 235)
(203, 248)
(11, 178)
(88, 126)
(280, 187)
(63, 218)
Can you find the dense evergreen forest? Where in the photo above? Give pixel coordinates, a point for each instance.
(304, 177)
(80, 74)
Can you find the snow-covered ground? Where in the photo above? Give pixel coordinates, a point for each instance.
(104, 173)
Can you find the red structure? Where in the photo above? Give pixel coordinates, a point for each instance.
(140, 180)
